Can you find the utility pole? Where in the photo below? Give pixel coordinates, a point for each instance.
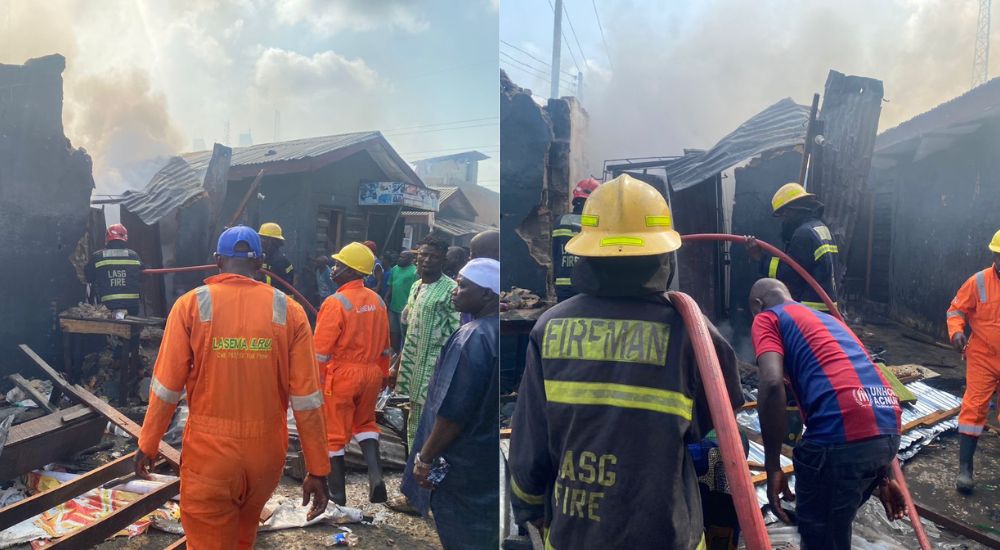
(556, 48)
(579, 86)
(981, 59)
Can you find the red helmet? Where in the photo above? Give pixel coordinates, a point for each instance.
(372, 246)
(116, 232)
(585, 188)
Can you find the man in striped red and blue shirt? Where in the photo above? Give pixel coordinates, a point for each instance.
(851, 414)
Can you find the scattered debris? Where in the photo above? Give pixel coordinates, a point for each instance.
(84, 310)
(520, 298)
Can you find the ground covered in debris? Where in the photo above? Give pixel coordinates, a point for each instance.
(388, 529)
(931, 473)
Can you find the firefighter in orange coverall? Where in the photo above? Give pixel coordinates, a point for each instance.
(243, 352)
(352, 349)
(977, 305)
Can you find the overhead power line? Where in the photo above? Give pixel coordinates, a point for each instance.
(429, 125)
(565, 41)
(547, 65)
(572, 30)
(542, 71)
(432, 130)
(607, 51)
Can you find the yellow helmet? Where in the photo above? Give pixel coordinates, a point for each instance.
(788, 193)
(357, 257)
(625, 217)
(271, 229)
(995, 243)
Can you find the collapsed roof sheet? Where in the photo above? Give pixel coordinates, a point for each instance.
(780, 125)
(172, 186)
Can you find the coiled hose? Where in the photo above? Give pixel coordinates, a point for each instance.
(188, 269)
(736, 453)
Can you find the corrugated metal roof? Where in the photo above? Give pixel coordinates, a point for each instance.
(458, 228)
(180, 180)
(937, 129)
(979, 102)
(444, 193)
(467, 155)
(780, 125)
(296, 149)
(174, 185)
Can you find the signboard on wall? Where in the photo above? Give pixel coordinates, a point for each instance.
(394, 193)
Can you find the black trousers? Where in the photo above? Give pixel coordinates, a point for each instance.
(832, 482)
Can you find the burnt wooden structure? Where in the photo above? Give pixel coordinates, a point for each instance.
(127, 361)
(94, 409)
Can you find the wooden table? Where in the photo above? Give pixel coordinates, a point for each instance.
(127, 360)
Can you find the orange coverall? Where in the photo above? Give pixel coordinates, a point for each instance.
(242, 351)
(352, 348)
(977, 304)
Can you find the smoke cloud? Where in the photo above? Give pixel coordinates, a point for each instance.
(689, 78)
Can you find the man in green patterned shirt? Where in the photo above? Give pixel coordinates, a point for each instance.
(431, 319)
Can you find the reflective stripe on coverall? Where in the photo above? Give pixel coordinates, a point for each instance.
(243, 352)
(977, 305)
(352, 349)
(812, 246)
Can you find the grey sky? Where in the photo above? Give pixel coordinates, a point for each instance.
(146, 78)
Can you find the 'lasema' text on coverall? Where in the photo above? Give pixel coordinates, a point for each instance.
(352, 348)
(243, 351)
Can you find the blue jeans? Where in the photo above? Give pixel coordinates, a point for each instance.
(832, 482)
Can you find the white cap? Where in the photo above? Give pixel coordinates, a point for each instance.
(484, 272)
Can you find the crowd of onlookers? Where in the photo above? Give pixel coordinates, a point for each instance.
(442, 303)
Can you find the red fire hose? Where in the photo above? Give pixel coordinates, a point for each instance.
(736, 468)
(712, 362)
(301, 299)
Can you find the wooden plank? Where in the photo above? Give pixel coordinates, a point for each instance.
(34, 394)
(931, 419)
(181, 544)
(957, 526)
(172, 455)
(761, 478)
(95, 533)
(40, 502)
(35, 443)
(94, 326)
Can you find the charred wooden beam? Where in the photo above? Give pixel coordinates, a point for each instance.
(37, 442)
(34, 394)
(40, 502)
(95, 533)
(80, 394)
(957, 526)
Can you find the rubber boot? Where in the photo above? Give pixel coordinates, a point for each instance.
(376, 486)
(337, 481)
(967, 447)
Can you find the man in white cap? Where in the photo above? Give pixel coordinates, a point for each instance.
(459, 423)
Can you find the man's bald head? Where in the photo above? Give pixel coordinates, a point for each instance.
(767, 293)
(486, 245)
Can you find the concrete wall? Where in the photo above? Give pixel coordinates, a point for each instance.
(45, 187)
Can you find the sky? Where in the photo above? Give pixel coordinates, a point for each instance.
(145, 79)
(683, 74)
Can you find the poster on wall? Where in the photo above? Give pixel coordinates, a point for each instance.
(394, 193)
(407, 237)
